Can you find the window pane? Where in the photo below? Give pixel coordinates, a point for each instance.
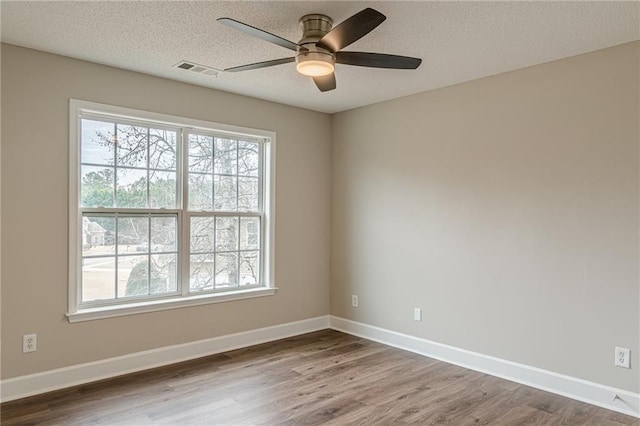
(249, 233)
(202, 236)
(163, 273)
(248, 158)
(98, 235)
(133, 234)
(162, 189)
(200, 154)
(162, 149)
(200, 192)
(226, 233)
(97, 186)
(98, 278)
(131, 146)
(133, 164)
(225, 195)
(133, 275)
(248, 194)
(131, 190)
(226, 270)
(163, 233)
(249, 273)
(97, 143)
(226, 157)
(201, 272)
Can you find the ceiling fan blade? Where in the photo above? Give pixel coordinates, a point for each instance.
(263, 64)
(257, 32)
(326, 82)
(377, 60)
(352, 29)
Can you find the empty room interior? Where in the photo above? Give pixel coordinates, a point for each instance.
(309, 212)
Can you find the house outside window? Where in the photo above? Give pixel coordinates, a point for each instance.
(166, 211)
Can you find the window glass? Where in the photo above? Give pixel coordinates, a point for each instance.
(155, 200)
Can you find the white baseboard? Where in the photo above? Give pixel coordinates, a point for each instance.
(571, 387)
(33, 384)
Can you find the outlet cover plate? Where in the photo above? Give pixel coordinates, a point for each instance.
(622, 357)
(29, 343)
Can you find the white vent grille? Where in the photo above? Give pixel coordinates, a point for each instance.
(197, 68)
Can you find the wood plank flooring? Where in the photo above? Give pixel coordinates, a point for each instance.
(325, 377)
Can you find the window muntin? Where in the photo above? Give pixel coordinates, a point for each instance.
(127, 256)
(128, 166)
(145, 219)
(224, 174)
(224, 178)
(224, 252)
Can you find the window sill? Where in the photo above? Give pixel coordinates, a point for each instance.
(161, 305)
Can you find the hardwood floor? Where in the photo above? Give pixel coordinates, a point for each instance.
(325, 377)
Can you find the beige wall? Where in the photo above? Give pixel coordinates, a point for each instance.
(36, 88)
(506, 208)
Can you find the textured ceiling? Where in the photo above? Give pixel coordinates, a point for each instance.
(458, 41)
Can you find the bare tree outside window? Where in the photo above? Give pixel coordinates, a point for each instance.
(135, 167)
(223, 177)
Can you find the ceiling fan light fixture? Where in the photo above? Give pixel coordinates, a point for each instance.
(315, 64)
(313, 68)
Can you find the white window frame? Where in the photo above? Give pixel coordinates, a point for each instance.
(79, 109)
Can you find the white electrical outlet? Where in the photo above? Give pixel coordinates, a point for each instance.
(622, 357)
(417, 314)
(29, 343)
(354, 300)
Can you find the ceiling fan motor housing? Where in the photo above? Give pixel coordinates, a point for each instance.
(314, 27)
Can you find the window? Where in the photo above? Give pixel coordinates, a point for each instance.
(166, 211)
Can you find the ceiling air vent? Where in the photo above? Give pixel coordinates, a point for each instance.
(197, 68)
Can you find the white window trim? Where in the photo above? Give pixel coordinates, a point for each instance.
(76, 314)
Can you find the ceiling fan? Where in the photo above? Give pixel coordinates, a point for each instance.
(320, 47)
